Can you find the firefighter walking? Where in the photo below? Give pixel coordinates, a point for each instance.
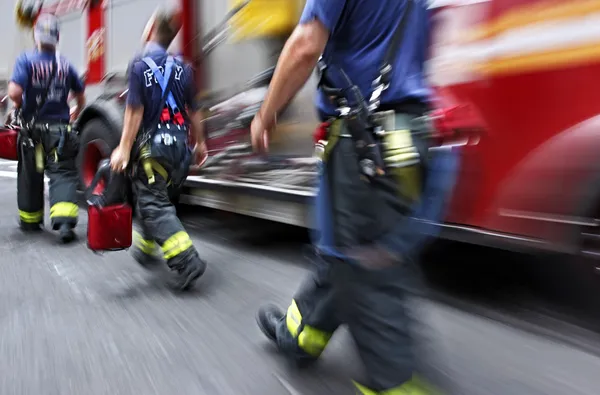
(40, 87)
(377, 175)
(155, 138)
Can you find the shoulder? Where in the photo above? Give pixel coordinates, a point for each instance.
(137, 65)
(26, 56)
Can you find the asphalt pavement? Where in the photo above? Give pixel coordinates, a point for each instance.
(74, 322)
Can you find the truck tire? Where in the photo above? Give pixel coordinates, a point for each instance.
(97, 141)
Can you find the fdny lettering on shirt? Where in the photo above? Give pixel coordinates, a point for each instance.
(150, 79)
(41, 72)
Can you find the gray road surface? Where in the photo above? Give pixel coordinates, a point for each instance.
(73, 322)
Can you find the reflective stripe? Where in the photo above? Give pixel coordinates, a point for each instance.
(176, 244)
(312, 340)
(146, 246)
(31, 218)
(150, 166)
(64, 209)
(415, 386)
(39, 158)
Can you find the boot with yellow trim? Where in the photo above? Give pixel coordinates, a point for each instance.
(66, 233)
(31, 222)
(187, 267)
(416, 386)
(271, 321)
(146, 252)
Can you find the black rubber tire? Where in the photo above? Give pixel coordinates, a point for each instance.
(101, 132)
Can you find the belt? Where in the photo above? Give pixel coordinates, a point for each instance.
(51, 127)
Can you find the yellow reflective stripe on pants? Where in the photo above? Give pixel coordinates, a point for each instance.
(312, 340)
(64, 209)
(150, 166)
(176, 244)
(31, 218)
(413, 387)
(148, 247)
(39, 158)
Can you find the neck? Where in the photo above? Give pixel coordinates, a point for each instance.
(47, 49)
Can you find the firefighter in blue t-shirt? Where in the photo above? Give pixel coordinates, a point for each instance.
(40, 87)
(377, 175)
(155, 138)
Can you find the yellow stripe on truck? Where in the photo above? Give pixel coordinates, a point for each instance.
(266, 18)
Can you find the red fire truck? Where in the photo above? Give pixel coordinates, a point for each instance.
(516, 78)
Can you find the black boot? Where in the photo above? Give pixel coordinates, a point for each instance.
(66, 234)
(151, 262)
(188, 267)
(29, 227)
(268, 318)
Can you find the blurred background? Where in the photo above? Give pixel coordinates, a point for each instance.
(513, 288)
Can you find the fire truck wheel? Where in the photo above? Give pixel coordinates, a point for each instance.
(97, 141)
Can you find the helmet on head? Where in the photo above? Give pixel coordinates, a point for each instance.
(46, 30)
(26, 12)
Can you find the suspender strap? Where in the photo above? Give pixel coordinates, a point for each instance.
(382, 82)
(163, 81)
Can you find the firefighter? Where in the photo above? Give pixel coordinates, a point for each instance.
(39, 87)
(161, 109)
(368, 238)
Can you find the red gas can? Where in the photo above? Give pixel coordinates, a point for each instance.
(8, 144)
(109, 222)
(109, 227)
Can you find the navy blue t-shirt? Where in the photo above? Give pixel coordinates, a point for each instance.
(32, 72)
(144, 89)
(360, 33)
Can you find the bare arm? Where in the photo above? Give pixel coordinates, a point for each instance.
(131, 125)
(80, 99)
(15, 93)
(197, 126)
(296, 63)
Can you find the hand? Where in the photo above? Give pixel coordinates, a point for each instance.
(119, 159)
(200, 153)
(9, 118)
(259, 133)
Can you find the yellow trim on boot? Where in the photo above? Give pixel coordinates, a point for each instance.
(148, 247)
(415, 386)
(310, 339)
(31, 218)
(176, 244)
(64, 209)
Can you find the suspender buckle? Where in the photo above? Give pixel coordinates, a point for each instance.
(165, 116)
(178, 118)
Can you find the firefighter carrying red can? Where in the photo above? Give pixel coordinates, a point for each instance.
(154, 148)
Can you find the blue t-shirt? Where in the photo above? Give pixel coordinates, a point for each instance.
(360, 33)
(32, 72)
(144, 89)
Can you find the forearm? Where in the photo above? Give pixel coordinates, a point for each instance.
(293, 70)
(131, 125)
(197, 126)
(15, 94)
(80, 104)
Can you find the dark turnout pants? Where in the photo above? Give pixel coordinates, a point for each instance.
(157, 220)
(372, 303)
(53, 149)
